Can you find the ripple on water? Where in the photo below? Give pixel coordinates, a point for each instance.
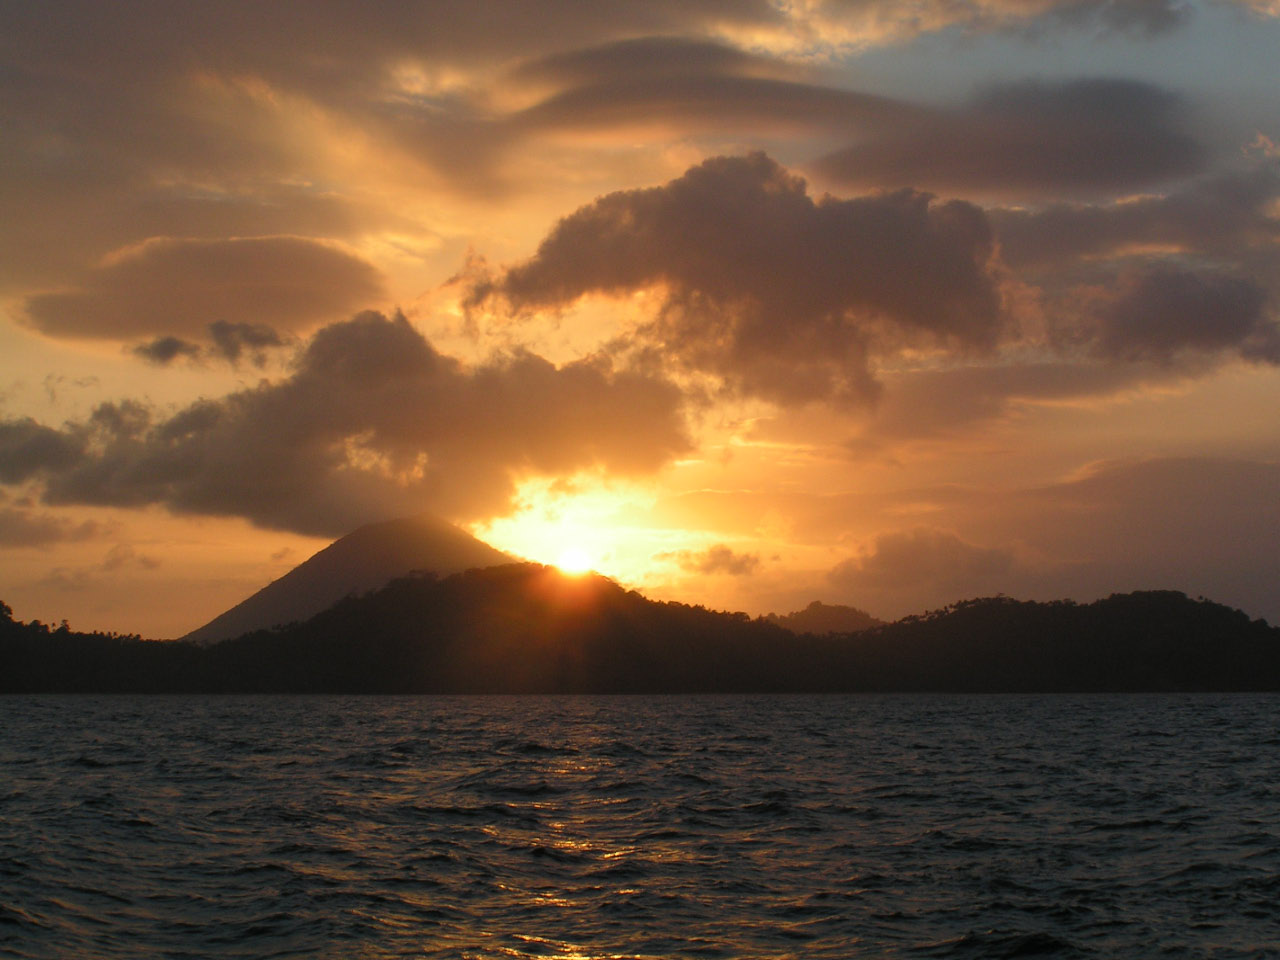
(770, 827)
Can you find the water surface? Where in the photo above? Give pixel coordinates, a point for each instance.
(819, 826)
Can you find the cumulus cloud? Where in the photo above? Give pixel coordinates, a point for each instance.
(372, 422)
(113, 114)
(715, 559)
(1163, 312)
(1083, 136)
(172, 287)
(783, 296)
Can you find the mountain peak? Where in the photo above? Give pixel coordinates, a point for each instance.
(365, 559)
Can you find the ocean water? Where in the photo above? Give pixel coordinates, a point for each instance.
(761, 827)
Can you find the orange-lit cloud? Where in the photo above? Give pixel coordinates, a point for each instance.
(783, 296)
(372, 422)
(182, 287)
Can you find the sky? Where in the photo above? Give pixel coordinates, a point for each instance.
(743, 303)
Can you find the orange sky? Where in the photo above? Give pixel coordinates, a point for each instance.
(747, 304)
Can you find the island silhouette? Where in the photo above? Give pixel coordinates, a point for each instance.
(529, 628)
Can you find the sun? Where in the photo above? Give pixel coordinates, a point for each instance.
(574, 560)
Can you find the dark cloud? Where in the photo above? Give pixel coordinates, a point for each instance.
(783, 296)
(638, 57)
(923, 562)
(118, 122)
(935, 404)
(124, 555)
(1224, 215)
(715, 559)
(673, 80)
(25, 528)
(373, 422)
(1082, 136)
(890, 20)
(1163, 312)
(165, 350)
(228, 341)
(174, 287)
(1199, 524)
(28, 448)
(233, 340)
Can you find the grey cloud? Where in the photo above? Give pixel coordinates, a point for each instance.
(165, 350)
(672, 80)
(889, 20)
(637, 57)
(116, 122)
(373, 422)
(1085, 136)
(923, 562)
(713, 103)
(1202, 525)
(28, 448)
(1162, 312)
(233, 340)
(940, 403)
(25, 528)
(1222, 215)
(124, 555)
(716, 559)
(173, 287)
(228, 341)
(783, 296)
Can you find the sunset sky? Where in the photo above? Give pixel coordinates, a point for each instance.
(743, 303)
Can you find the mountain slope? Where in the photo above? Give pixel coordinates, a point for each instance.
(820, 618)
(525, 628)
(364, 560)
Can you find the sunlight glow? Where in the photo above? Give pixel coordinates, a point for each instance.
(574, 560)
(582, 524)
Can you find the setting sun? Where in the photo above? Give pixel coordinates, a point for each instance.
(574, 560)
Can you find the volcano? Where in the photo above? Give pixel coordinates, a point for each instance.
(363, 560)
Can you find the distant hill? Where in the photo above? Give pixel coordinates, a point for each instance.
(365, 560)
(822, 618)
(525, 628)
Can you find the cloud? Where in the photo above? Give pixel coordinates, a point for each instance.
(1224, 215)
(715, 559)
(113, 123)
(954, 401)
(229, 341)
(671, 81)
(165, 350)
(1163, 312)
(865, 22)
(373, 422)
(1203, 525)
(123, 555)
(783, 296)
(924, 561)
(28, 448)
(171, 287)
(24, 528)
(1082, 136)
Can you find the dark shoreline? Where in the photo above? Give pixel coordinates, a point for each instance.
(527, 629)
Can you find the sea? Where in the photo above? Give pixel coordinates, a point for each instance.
(371, 827)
